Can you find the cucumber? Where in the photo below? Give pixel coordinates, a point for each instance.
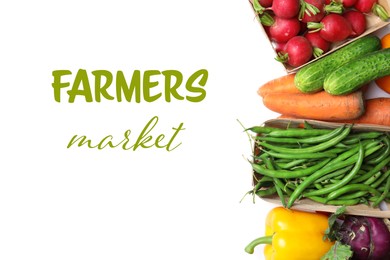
(358, 72)
(310, 78)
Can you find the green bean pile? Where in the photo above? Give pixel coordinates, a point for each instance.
(339, 166)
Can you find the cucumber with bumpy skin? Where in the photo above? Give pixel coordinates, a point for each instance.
(358, 72)
(310, 78)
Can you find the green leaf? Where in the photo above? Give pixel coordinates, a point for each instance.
(258, 7)
(338, 252)
(333, 225)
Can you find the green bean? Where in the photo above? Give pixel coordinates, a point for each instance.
(333, 174)
(384, 193)
(318, 174)
(285, 140)
(381, 188)
(280, 190)
(307, 125)
(290, 164)
(281, 144)
(282, 160)
(325, 182)
(367, 167)
(268, 163)
(354, 195)
(340, 202)
(298, 132)
(311, 149)
(373, 178)
(264, 179)
(308, 140)
(266, 192)
(264, 182)
(383, 154)
(336, 150)
(346, 179)
(287, 173)
(351, 188)
(348, 156)
(374, 170)
(365, 135)
(277, 183)
(301, 155)
(386, 199)
(280, 194)
(291, 185)
(341, 145)
(285, 188)
(324, 137)
(357, 137)
(381, 179)
(261, 129)
(304, 165)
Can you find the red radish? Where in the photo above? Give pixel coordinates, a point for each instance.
(265, 3)
(285, 8)
(312, 10)
(258, 7)
(333, 28)
(347, 3)
(357, 20)
(279, 46)
(320, 46)
(266, 19)
(297, 52)
(367, 6)
(334, 6)
(303, 28)
(282, 29)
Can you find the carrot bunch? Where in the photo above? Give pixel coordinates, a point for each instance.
(281, 96)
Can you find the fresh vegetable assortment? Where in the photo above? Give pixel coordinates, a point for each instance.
(332, 22)
(338, 163)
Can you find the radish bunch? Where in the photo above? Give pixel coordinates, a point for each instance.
(301, 30)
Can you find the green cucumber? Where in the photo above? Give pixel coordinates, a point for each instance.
(310, 78)
(358, 72)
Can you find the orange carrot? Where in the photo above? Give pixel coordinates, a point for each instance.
(317, 106)
(284, 84)
(377, 112)
(288, 117)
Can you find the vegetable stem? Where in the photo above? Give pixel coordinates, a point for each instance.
(250, 248)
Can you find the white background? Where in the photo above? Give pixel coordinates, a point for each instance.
(58, 203)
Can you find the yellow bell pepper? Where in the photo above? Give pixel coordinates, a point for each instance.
(293, 235)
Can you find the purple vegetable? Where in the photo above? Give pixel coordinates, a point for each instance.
(368, 237)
